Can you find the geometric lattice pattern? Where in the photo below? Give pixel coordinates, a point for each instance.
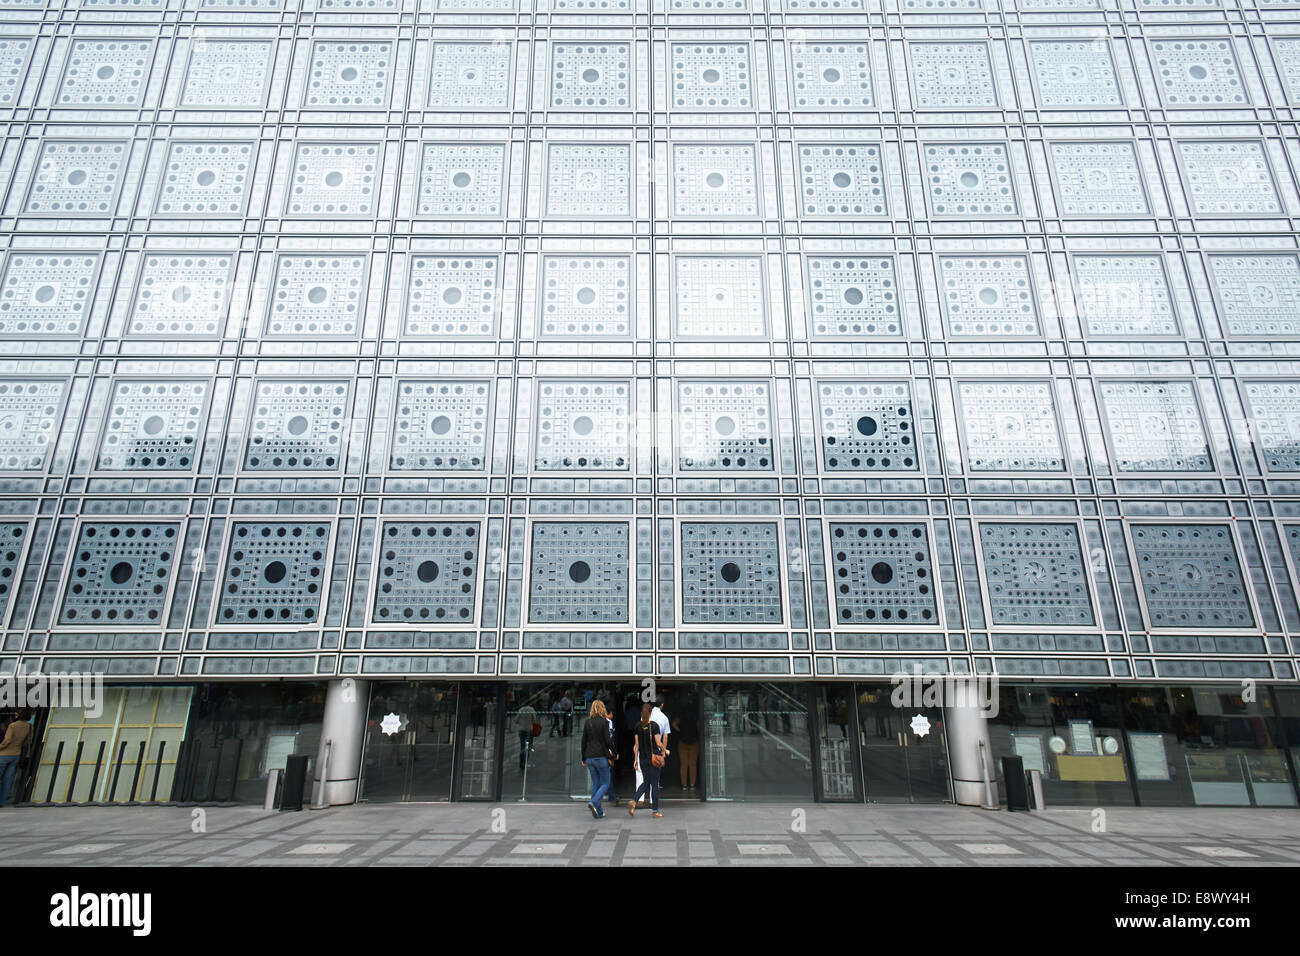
(297, 426)
(583, 426)
(725, 426)
(1011, 426)
(1155, 426)
(1191, 576)
(118, 574)
(29, 421)
(731, 572)
(989, 297)
(867, 426)
(46, 294)
(882, 574)
(1275, 411)
(1257, 294)
(970, 180)
(470, 76)
(317, 296)
(274, 572)
(1035, 574)
(12, 536)
(578, 573)
(440, 426)
(181, 295)
(854, 297)
(720, 298)
(153, 426)
(427, 572)
(952, 76)
(1124, 295)
(1074, 74)
(830, 76)
(452, 296)
(586, 296)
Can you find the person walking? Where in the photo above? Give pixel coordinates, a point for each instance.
(528, 729)
(11, 751)
(687, 735)
(650, 754)
(597, 749)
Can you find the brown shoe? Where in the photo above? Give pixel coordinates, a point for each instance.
(631, 808)
(656, 814)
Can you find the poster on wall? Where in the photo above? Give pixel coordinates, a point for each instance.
(1029, 748)
(1083, 741)
(279, 747)
(1149, 759)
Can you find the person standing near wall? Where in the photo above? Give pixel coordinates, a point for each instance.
(11, 751)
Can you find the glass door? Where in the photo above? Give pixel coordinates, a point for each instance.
(410, 742)
(479, 708)
(900, 765)
(756, 742)
(838, 775)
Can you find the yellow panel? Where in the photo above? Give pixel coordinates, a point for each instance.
(1102, 768)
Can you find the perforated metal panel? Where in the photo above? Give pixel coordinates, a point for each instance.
(1010, 426)
(13, 58)
(441, 425)
(852, 297)
(588, 295)
(1200, 73)
(1258, 294)
(181, 295)
(724, 426)
(470, 75)
(582, 426)
(297, 426)
(29, 421)
(1229, 179)
(712, 76)
(227, 73)
(462, 181)
(715, 182)
(1275, 410)
(970, 180)
(452, 296)
(952, 76)
(317, 295)
(587, 180)
(427, 572)
(274, 572)
(578, 573)
(1155, 426)
(1099, 179)
(882, 573)
(205, 179)
(106, 73)
(719, 297)
(1287, 51)
(349, 74)
(46, 294)
(1035, 574)
(731, 572)
(1191, 576)
(831, 75)
(1073, 74)
(76, 179)
(1124, 295)
(591, 76)
(13, 536)
(333, 179)
(841, 180)
(990, 296)
(153, 426)
(867, 426)
(118, 575)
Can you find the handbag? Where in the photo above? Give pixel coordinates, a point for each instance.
(537, 729)
(657, 756)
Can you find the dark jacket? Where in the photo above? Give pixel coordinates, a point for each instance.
(595, 739)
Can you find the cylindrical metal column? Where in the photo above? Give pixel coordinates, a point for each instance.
(343, 735)
(971, 763)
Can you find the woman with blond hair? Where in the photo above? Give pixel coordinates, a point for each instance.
(597, 749)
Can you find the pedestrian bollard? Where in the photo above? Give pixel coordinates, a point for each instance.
(272, 784)
(1035, 781)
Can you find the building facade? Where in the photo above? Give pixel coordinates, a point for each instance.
(455, 361)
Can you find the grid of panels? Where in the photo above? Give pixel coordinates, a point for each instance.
(714, 288)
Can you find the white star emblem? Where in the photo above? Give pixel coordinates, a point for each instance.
(391, 724)
(920, 725)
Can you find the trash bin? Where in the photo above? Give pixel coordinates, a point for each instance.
(295, 782)
(1013, 782)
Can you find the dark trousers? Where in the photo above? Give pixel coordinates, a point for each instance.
(649, 783)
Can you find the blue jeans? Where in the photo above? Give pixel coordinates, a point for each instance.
(8, 773)
(598, 770)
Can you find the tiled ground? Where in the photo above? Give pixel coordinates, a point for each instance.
(695, 835)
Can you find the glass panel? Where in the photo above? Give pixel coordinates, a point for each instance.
(900, 765)
(839, 771)
(757, 744)
(410, 742)
(1072, 735)
(1207, 746)
(479, 743)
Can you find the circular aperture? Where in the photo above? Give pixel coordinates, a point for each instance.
(715, 180)
(590, 76)
(586, 295)
(970, 180)
(44, 293)
(842, 180)
(1198, 72)
(730, 572)
(121, 572)
(460, 180)
(451, 295)
(710, 76)
(989, 295)
(579, 571)
(105, 72)
(297, 425)
(427, 571)
(867, 425)
(882, 573)
(441, 425)
(583, 425)
(853, 296)
(206, 178)
(831, 75)
(317, 294)
(182, 294)
(348, 74)
(725, 425)
(334, 179)
(274, 572)
(153, 425)
(76, 177)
